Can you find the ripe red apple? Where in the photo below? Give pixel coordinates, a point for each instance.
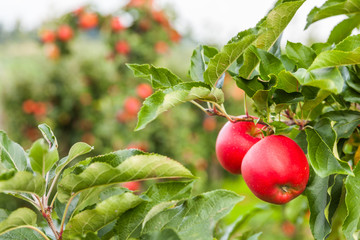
(116, 25)
(122, 47)
(288, 228)
(52, 51)
(174, 36)
(276, 169)
(161, 47)
(209, 124)
(144, 90)
(132, 186)
(233, 142)
(132, 105)
(47, 36)
(88, 20)
(65, 33)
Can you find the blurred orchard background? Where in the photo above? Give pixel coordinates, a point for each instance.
(63, 63)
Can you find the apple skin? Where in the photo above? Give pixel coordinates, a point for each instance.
(276, 169)
(122, 47)
(132, 105)
(144, 90)
(88, 21)
(65, 33)
(233, 141)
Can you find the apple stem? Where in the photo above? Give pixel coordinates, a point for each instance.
(245, 106)
(284, 188)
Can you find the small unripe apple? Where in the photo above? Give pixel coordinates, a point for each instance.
(144, 90)
(122, 47)
(88, 20)
(65, 33)
(233, 142)
(276, 169)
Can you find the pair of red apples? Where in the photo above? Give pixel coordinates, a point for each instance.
(274, 167)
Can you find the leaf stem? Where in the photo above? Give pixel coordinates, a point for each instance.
(245, 106)
(199, 106)
(53, 201)
(65, 213)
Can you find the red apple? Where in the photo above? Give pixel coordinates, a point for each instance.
(122, 47)
(116, 25)
(174, 36)
(144, 90)
(161, 47)
(288, 228)
(132, 105)
(40, 109)
(276, 169)
(65, 33)
(47, 36)
(233, 142)
(132, 186)
(88, 20)
(143, 146)
(52, 51)
(29, 106)
(209, 124)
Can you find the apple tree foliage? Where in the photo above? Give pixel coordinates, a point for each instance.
(311, 93)
(86, 201)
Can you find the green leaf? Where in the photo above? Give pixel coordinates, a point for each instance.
(261, 100)
(287, 82)
(129, 225)
(24, 182)
(94, 195)
(321, 142)
(349, 44)
(250, 86)
(280, 96)
(344, 29)
(21, 217)
(42, 158)
(22, 233)
(104, 213)
(316, 192)
(352, 200)
(336, 58)
(138, 167)
(269, 64)
(168, 234)
(76, 150)
(227, 56)
(333, 8)
(12, 155)
(48, 135)
(199, 60)
(195, 218)
(159, 77)
(329, 80)
(269, 30)
(301, 54)
(166, 99)
(231, 230)
(346, 121)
